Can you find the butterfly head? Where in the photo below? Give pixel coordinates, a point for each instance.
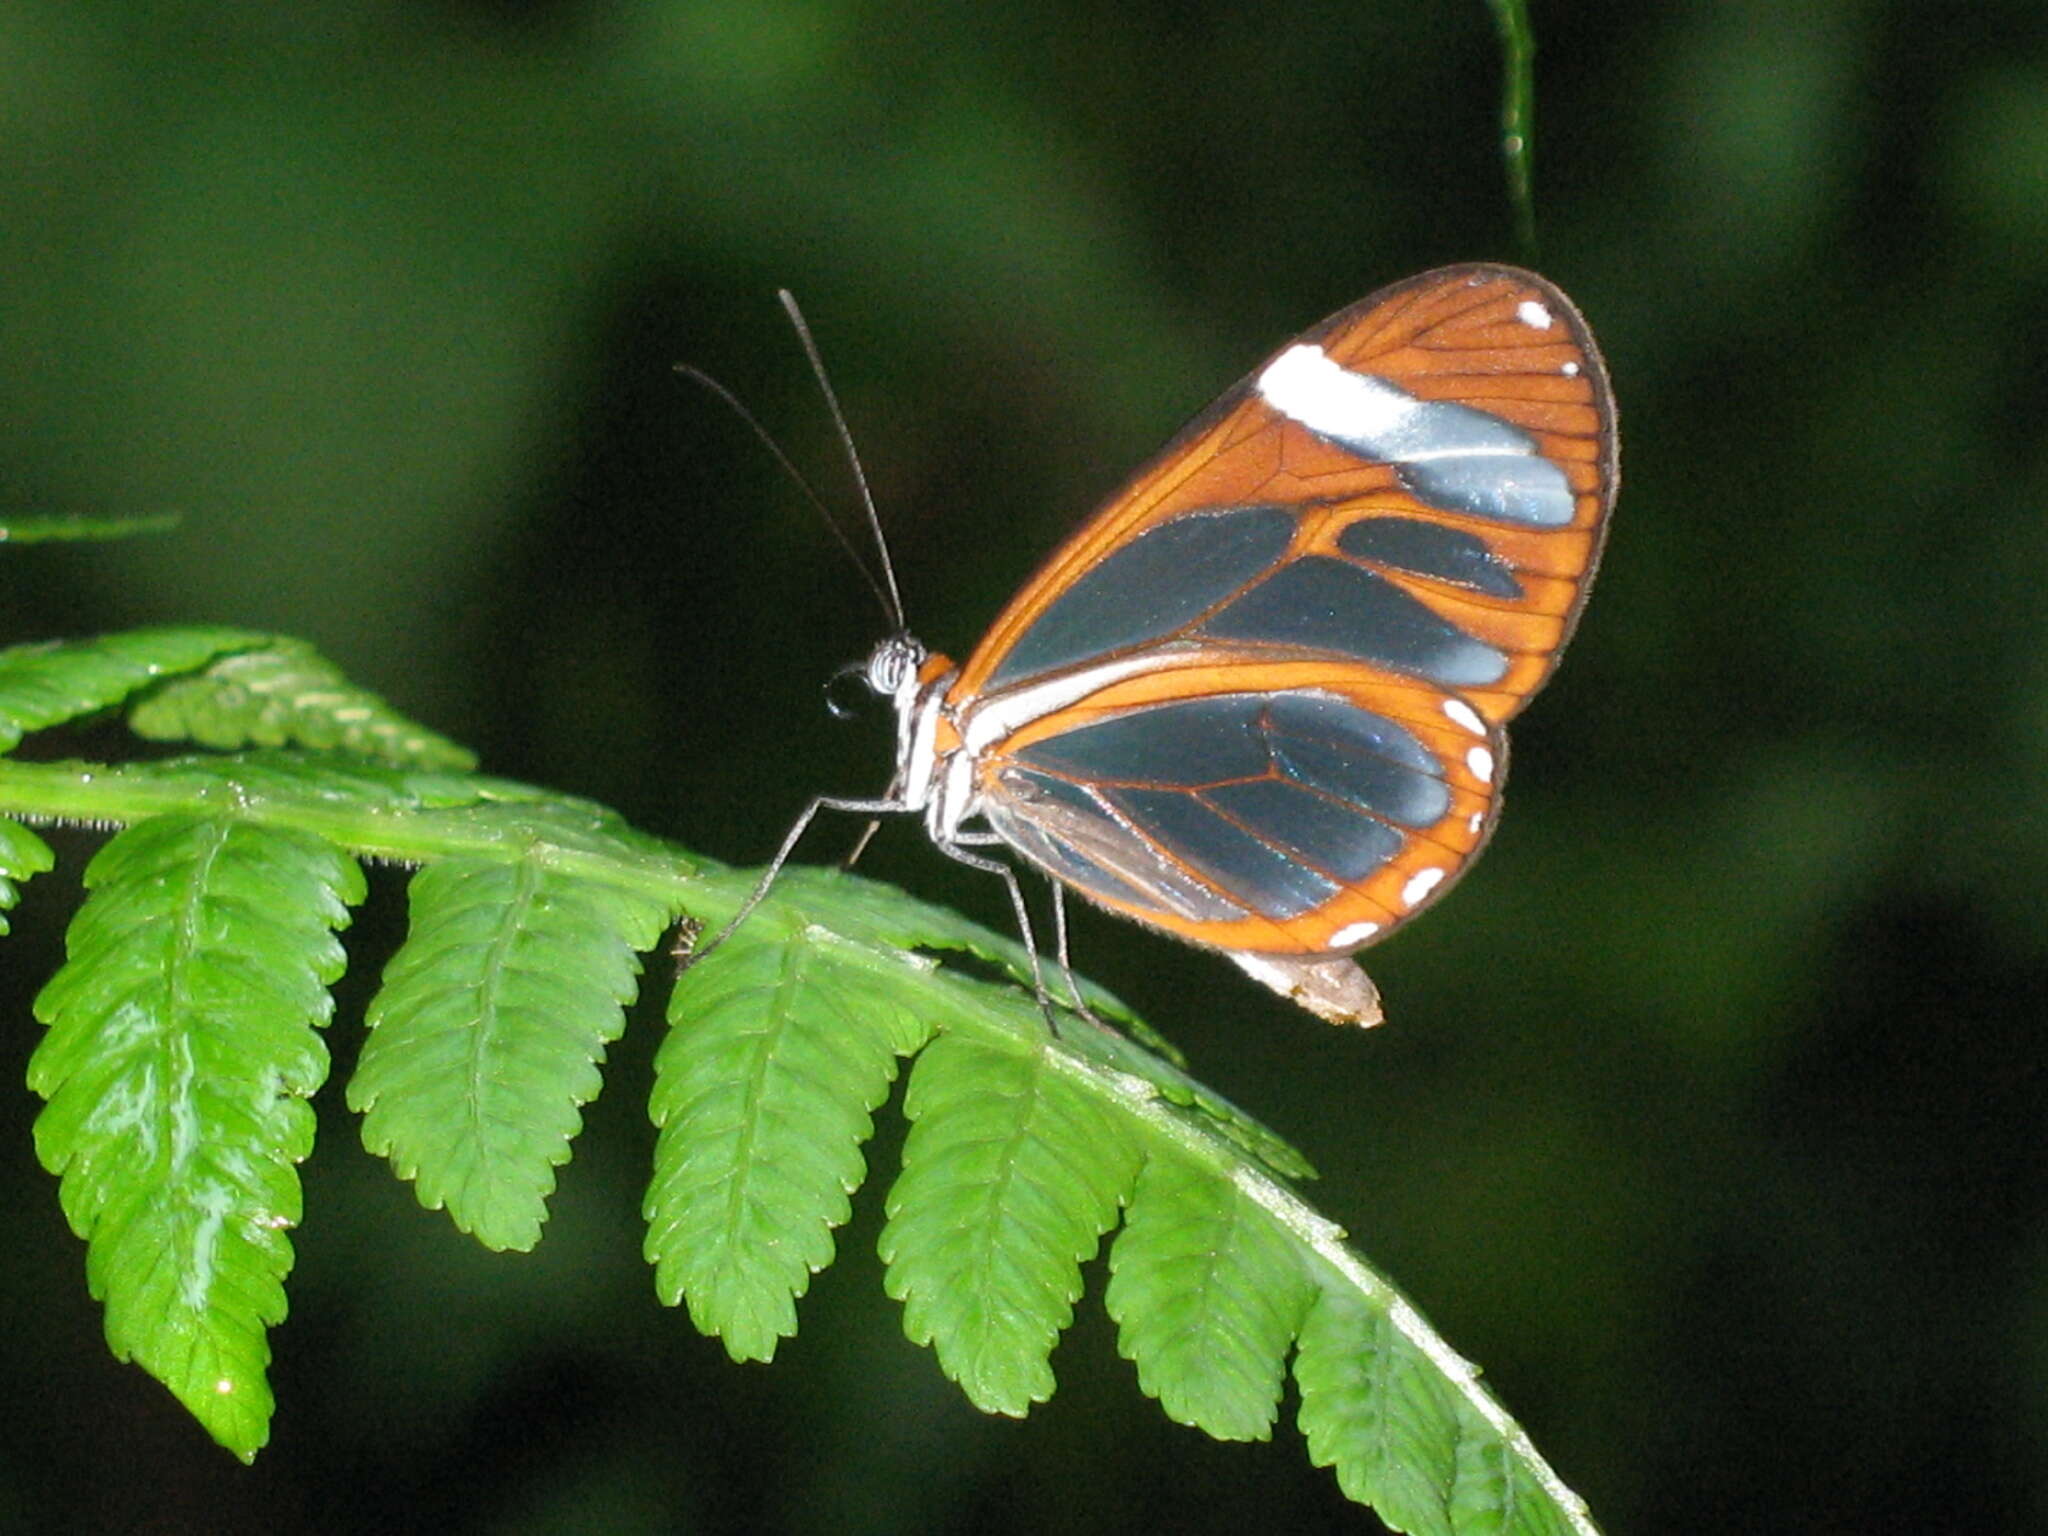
(893, 666)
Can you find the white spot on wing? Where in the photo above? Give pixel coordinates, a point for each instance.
(1303, 385)
(1354, 933)
(1463, 714)
(1478, 818)
(1420, 884)
(1453, 456)
(1569, 370)
(1480, 761)
(1533, 315)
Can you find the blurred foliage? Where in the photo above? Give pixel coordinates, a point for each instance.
(1708, 1112)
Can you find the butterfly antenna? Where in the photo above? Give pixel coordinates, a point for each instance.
(860, 475)
(891, 609)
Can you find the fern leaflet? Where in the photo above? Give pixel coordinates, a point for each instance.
(781, 1045)
(22, 855)
(49, 683)
(180, 1052)
(1010, 1178)
(287, 693)
(485, 1037)
(1207, 1292)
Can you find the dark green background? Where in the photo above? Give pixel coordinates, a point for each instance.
(1709, 1116)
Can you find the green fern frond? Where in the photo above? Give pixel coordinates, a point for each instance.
(180, 1052)
(287, 694)
(182, 1045)
(49, 683)
(485, 1037)
(782, 1043)
(22, 856)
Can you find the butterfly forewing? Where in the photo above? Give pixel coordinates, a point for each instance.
(1257, 698)
(1458, 389)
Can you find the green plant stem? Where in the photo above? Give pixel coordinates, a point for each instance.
(93, 794)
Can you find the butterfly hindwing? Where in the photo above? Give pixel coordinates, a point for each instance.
(1246, 803)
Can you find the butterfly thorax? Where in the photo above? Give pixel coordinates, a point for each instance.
(933, 773)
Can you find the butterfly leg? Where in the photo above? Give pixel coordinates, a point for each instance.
(1059, 941)
(957, 849)
(860, 844)
(790, 839)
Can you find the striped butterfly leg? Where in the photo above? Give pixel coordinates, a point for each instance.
(957, 848)
(797, 828)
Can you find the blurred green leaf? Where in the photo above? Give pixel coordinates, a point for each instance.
(287, 694)
(63, 529)
(49, 683)
(1518, 115)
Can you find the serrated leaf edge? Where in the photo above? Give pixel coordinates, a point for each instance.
(1325, 1239)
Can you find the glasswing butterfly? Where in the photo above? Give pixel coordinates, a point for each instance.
(1258, 700)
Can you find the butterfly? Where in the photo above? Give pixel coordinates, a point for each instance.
(1258, 700)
